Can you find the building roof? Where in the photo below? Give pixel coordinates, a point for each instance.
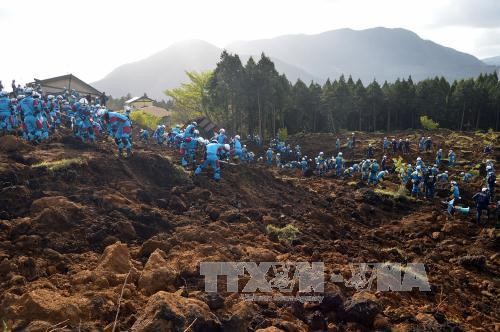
(156, 111)
(143, 98)
(70, 77)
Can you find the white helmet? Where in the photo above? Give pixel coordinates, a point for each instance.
(50, 97)
(418, 158)
(222, 131)
(196, 132)
(83, 101)
(201, 140)
(419, 168)
(484, 189)
(127, 108)
(488, 167)
(237, 137)
(244, 146)
(321, 153)
(227, 147)
(340, 154)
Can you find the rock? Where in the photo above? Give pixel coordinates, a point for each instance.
(214, 301)
(82, 277)
(427, 322)
(56, 202)
(213, 213)
(115, 259)
(177, 205)
(150, 245)
(157, 274)
(260, 254)
(332, 299)
(270, 329)
(436, 235)
(478, 261)
(332, 328)
(381, 322)
(316, 321)
(170, 312)
(27, 267)
(266, 220)
(125, 230)
(362, 308)
(48, 305)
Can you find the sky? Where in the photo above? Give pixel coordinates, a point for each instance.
(90, 38)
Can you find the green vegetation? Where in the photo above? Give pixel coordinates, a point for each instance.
(255, 98)
(190, 99)
(283, 134)
(399, 195)
(285, 234)
(427, 123)
(58, 165)
(145, 119)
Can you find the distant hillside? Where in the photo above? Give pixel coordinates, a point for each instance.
(166, 69)
(381, 53)
(384, 54)
(494, 61)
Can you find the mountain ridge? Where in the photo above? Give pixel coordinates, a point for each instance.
(377, 53)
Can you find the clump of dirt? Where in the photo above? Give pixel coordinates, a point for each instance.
(82, 240)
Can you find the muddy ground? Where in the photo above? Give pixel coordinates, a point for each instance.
(86, 231)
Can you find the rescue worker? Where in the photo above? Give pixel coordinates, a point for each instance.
(455, 191)
(339, 164)
(451, 158)
(221, 138)
(238, 150)
(374, 170)
(269, 156)
(385, 144)
(211, 158)
(482, 201)
(119, 128)
(439, 156)
(491, 181)
(6, 121)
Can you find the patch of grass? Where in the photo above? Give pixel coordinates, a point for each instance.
(352, 183)
(400, 195)
(285, 234)
(57, 165)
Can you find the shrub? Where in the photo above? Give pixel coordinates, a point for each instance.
(145, 119)
(428, 123)
(57, 165)
(283, 134)
(285, 234)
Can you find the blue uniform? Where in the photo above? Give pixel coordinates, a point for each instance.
(374, 169)
(237, 148)
(269, 157)
(6, 118)
(189, 132)
(120, 128)
(28, 107)
(190, 146)
(339, 164)
(212, 153)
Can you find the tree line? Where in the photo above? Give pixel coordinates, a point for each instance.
(254, 98)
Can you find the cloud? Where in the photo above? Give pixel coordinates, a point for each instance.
(470, 13)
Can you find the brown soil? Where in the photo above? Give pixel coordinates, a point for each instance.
(71, 237)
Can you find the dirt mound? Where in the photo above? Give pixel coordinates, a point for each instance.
(171, 312)
(76, 238)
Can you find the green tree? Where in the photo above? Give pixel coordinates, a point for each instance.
(190, 99)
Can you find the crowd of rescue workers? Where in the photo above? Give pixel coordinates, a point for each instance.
(35, 116)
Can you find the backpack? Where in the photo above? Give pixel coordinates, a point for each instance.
(491, 178)
(482, 199)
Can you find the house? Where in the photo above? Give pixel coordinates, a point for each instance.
(56, 85)
(139, 102)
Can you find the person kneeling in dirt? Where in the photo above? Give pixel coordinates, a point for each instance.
(466, 177)
(482, 200)
(374, 170)
(144, 135)
(119, 128)
(212, 152)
